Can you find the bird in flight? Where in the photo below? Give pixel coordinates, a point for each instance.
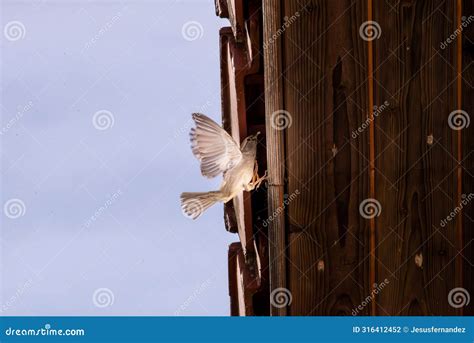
(219, 153)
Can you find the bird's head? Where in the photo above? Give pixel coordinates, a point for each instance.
(250, 144)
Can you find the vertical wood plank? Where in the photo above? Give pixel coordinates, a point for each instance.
(325, 89)
(370, 81)
(467, 163)
(272, 53)
(416, 152)
(459, 271)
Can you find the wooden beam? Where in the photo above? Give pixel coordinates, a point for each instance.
(241, 289)
(221, 8)
(370, 115)
(275, 141)
(233, 71)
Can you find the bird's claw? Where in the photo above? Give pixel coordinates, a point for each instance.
(256, 180)
(259, 180)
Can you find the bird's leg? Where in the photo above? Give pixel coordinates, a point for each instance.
(256, 181)
(255, 172)
(261, 179)
(251, 185)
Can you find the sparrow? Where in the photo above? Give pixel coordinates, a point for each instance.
(219, 153)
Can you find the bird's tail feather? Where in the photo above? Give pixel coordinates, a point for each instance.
(194, 204)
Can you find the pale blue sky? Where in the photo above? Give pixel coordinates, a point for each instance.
(138, 254)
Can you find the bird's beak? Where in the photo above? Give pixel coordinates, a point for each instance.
(256, 135)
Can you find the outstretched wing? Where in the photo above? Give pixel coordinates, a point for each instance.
(213, 146)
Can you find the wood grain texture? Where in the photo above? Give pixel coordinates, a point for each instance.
(241, 296)
(236, 112)
(468, 153)
(233, 71)
(243, 114)
(325, 92)
(416, 179)
(371, 128)
(339, 151)
(272, 54)
(233, 278)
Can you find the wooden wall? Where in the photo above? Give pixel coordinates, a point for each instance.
(354, 97)
(407, 158)
(325, 93)
(419, 189)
